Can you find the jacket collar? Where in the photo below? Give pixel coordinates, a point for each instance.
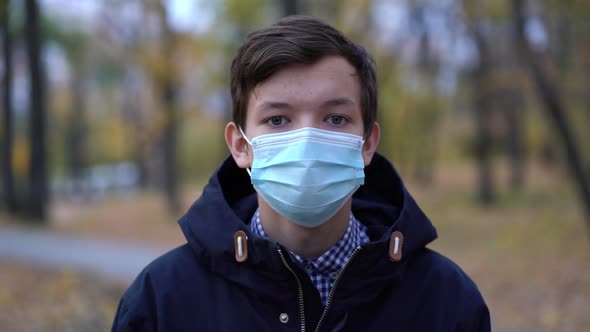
(228, 202)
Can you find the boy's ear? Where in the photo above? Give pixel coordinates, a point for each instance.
(371, 143)
(239, 148)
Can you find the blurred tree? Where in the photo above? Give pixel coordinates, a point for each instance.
(123, 54)
(427, 105)
(74, 44)
(38, 120)
(554, 106)
(511, 103)
(133, 113)
(481, 78)
(167, 84)
(499, 94)
(290, 7)
(7, 130)
(568, 34)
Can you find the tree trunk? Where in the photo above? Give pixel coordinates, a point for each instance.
(132, 112)
(169, 100)
(290, 7)
(486, 187)
(7, 130)
(38, 162)
(76, 131)
(555, 111)
(169, 144)
(511, 104)
(426, 118)
(514, 143)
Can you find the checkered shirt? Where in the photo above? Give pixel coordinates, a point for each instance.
(323, 270)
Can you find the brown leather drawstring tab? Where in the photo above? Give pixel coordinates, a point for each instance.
(241, 246)
(396, 241)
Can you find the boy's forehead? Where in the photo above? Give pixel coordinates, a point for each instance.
(331, 77)
(329, 67)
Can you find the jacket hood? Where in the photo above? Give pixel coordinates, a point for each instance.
(228, 202)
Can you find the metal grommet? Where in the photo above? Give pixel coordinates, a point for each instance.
(396, 242)
(284, 318)
(241, 246)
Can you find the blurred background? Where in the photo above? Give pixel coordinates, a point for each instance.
(112, 122)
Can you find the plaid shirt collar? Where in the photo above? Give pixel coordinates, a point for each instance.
(324, 269)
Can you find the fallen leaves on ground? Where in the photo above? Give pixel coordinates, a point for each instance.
(39, 299)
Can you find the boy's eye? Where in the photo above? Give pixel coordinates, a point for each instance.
(336, 119)
(276, 121)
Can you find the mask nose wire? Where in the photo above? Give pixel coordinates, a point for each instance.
(250, 143)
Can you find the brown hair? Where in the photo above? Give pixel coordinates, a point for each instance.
(298, 40)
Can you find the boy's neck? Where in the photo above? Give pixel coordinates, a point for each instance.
(305, 242)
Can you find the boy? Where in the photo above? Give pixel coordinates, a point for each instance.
(305, 226)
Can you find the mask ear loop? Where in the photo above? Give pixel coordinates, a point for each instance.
(250, 143)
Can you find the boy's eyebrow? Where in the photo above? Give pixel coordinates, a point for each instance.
(338, 102)
(273, 105)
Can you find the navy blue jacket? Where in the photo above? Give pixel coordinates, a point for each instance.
(200, 286)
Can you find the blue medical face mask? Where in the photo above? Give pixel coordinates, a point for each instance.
(308, 174)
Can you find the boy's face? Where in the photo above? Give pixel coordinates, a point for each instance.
(324, 95)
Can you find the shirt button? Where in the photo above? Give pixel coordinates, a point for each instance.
(309, 268)
(333, 275)
(284, 318)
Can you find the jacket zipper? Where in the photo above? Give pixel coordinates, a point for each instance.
(336, 282)
(300, 291)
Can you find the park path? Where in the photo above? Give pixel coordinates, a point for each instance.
(116, 261)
